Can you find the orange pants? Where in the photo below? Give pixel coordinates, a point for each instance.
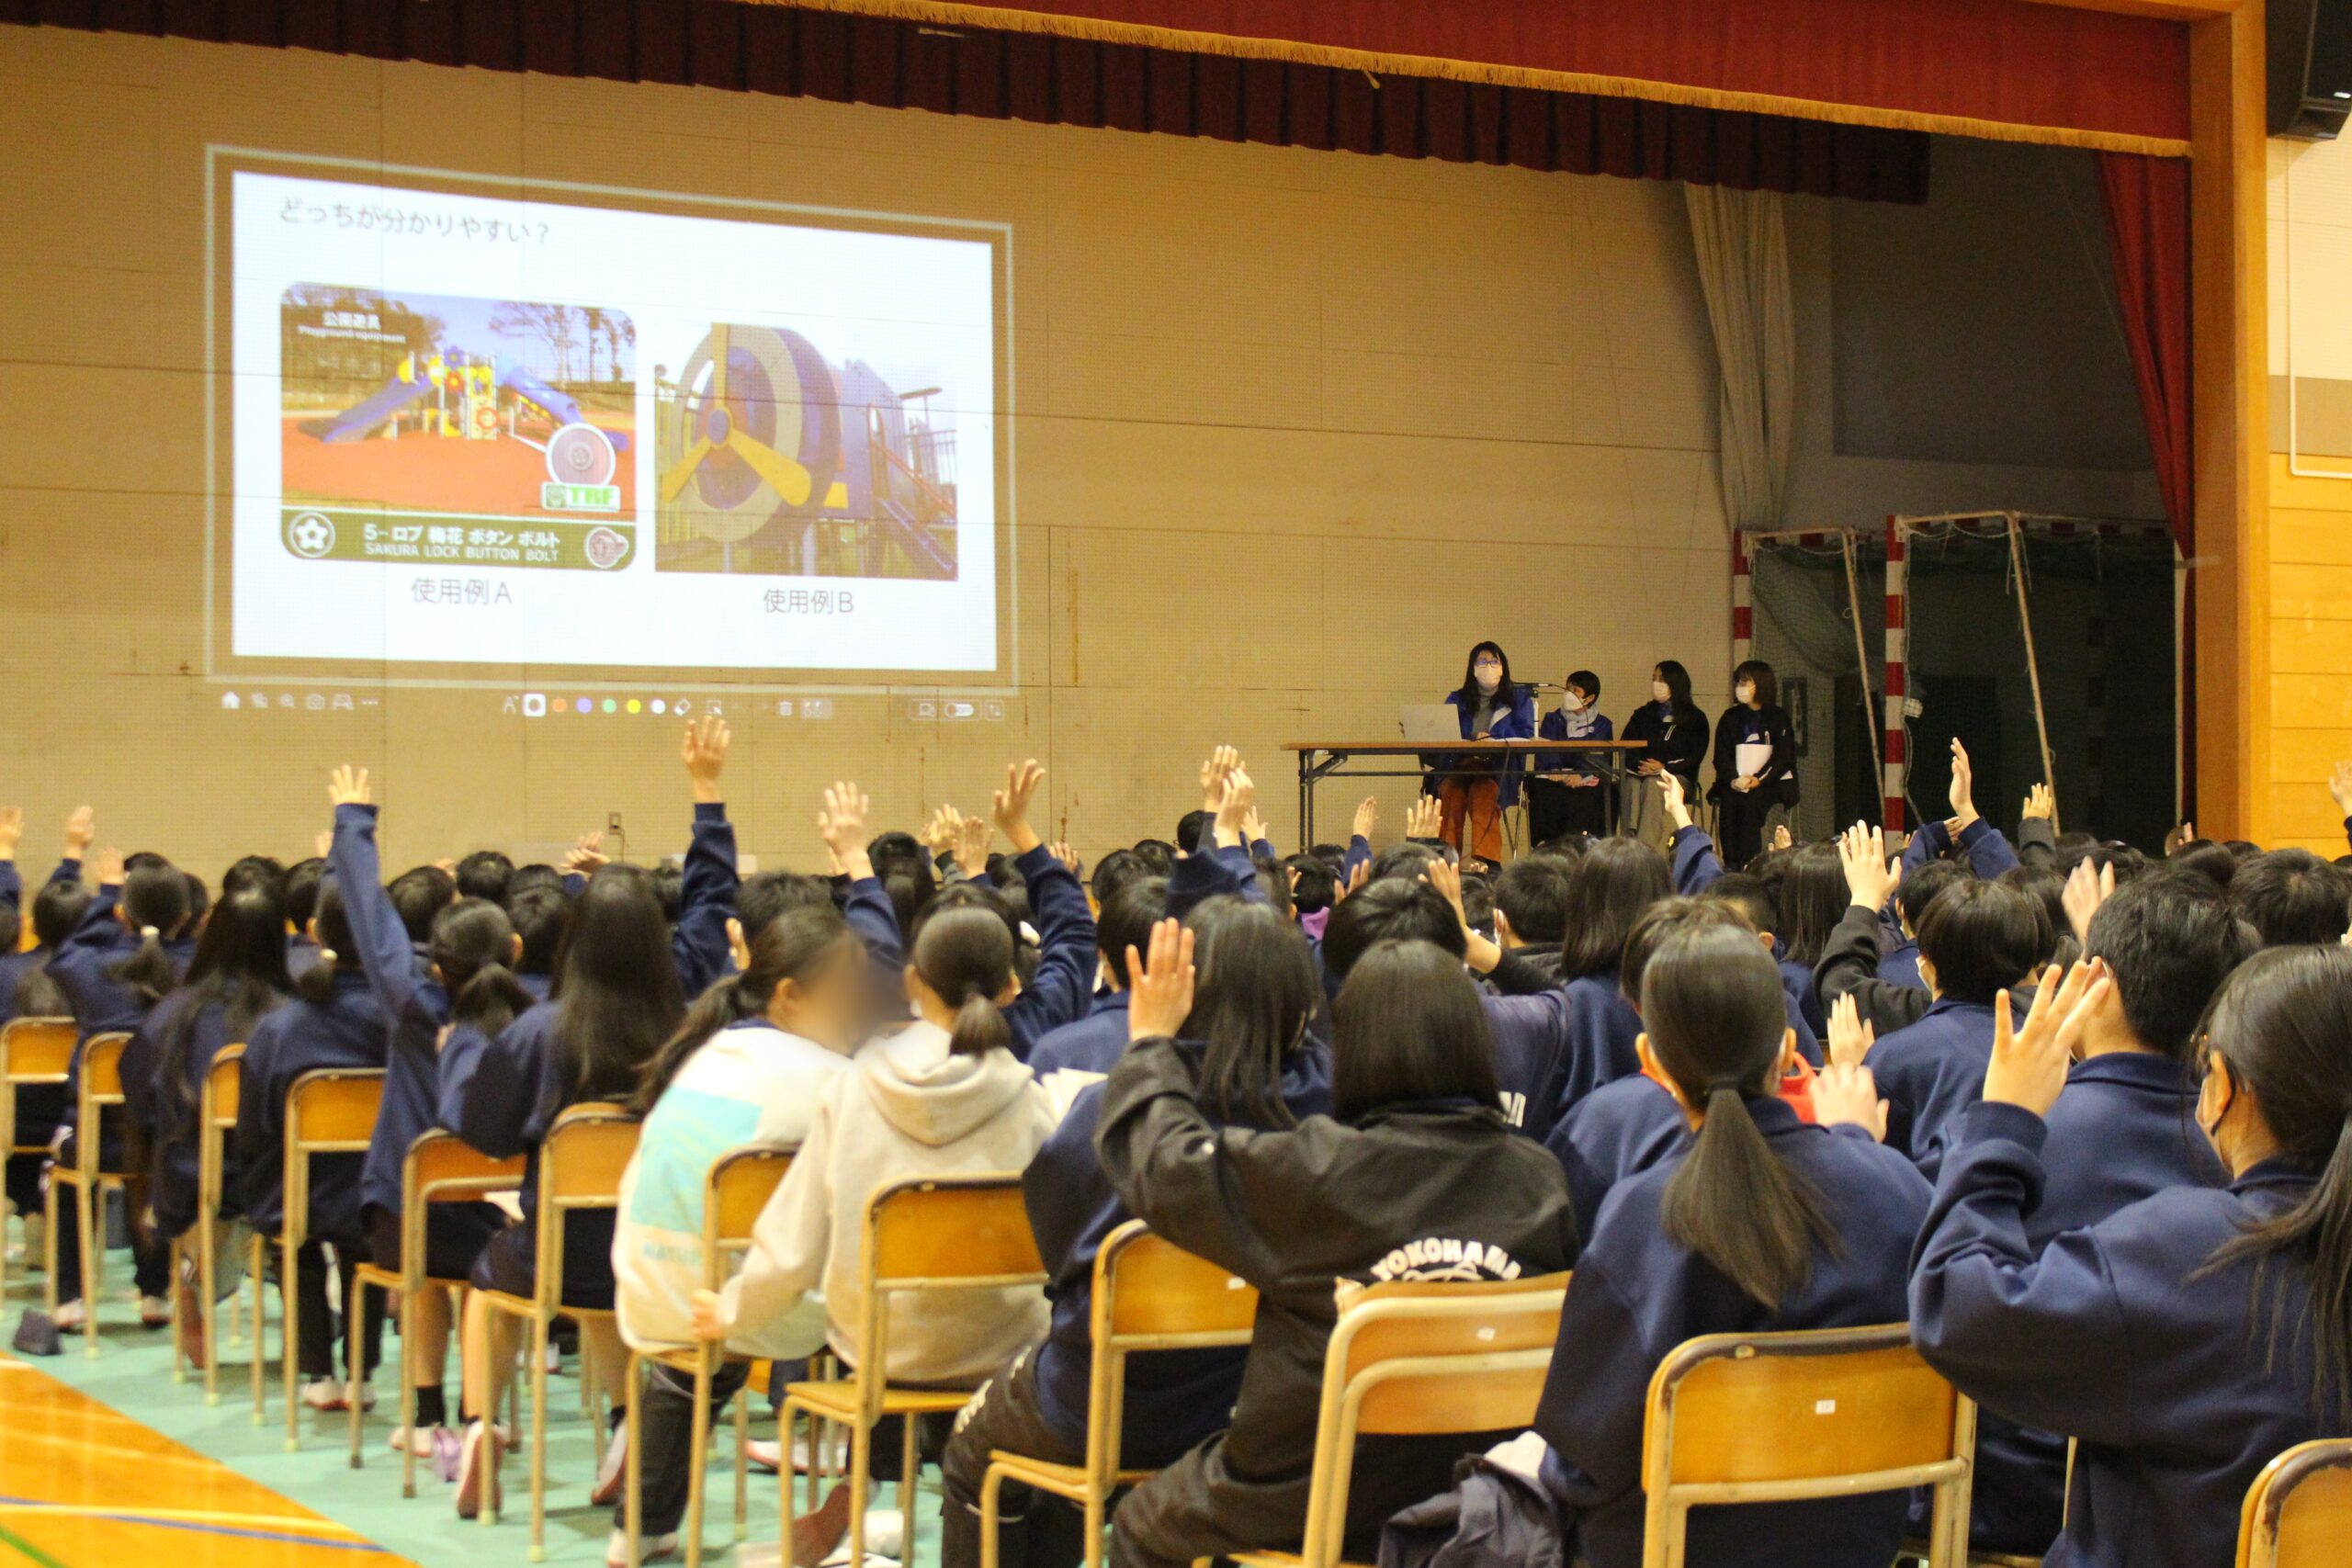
(1479, 800)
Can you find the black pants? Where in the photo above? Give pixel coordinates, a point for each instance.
(317, 1356)
(1554, 810)
(1744, 815)
(1033, 1529)
(151, 1259)
(665, 1423)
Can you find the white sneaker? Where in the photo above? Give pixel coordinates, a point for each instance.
(324, 1394)
(68, 1318)
(652, 1549)
(155, 1312)
(418, 1442)
(612, 1476)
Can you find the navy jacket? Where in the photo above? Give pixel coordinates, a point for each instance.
(1989, 854)
(165, 1112)
(348, 1030)
(1093, 1044)
(1062, 988)
(1932, 1072)
(2161, 1372)
(1515, 721)
(100, 1003)
(1556, 1046)
(1636, 1295)
(2120, 1133)
(1555, 727)
(1174, 1399)
(1769, 726)
(1675, 738)
(1618, 1131)
(15, 966)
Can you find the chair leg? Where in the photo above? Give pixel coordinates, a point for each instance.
(208, 1277)
(991, 1483)
(1097, 1502)
(179, 1361)
(698, 1467)
(860, 1470)
(633, 1463)
(259, 1361)
(743, 1461)
(408, 1389)
(289, 1336)
(49, 1239)
(354, 1318)
(909, 1491)
(86, 1229)
(539, 1326)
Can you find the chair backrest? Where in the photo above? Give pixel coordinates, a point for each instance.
(36, 1050)
(329, 1111)
(939, 1233)
(1422, 1357)
(740, 1184)
(1150, 1294)
(102, 1070)
(441, 1168)
(581, 1162)
(216, 1118)
(2299, 1510)
(1768, 1417)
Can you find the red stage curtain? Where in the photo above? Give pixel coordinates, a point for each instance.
(2147, 226)
(900, 64)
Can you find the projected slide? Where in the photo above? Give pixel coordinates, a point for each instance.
(587, 428)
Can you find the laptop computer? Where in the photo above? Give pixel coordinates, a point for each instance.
(1430, 721)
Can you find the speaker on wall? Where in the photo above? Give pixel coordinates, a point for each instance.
(2309, 67)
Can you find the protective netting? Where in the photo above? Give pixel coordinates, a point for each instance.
(1805, 629)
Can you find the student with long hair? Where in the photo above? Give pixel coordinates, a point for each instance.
(1756, 758)
(26, 991)
(1248, 1036)
(2184, 1341)
(1760, 1222)
(1491, 707)
(1813, 899)
(944, 1096)
(620, 989)
(336, 1021)
(1673, 732)
(133, 942)
(1093, 1044)
(1415, 1175)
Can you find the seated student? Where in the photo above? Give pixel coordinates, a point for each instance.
(1813, 899)
(1093, 1044)
(1564, 795)
(1976, 940)
(1761, 1224)
(337, 1020)
(2293, 898)
(749, 1065)
(1897, 921)
(2045, 886)
(130, 947)
(26, 991)
(2122, 1131)
(1532, 908)
(460, 972)
(1752, 897)
(485, 873)
(2189, 1339)
(1850, 958)
(542, 919)
(1491, 707)
(1247, 1032)
(302, 880)
(236, 979)
(1061, 988)
(1415, 1149)
(2203, 857)
(944, 1096)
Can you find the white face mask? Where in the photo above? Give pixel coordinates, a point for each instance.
(1659, 691)
(1576, 702)
(1490, 677)
(1743, 692)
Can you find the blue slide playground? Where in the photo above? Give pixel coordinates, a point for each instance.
(353, 423)
(563, 410)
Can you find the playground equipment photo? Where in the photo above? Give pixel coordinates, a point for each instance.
(477, 398)
(772, 459)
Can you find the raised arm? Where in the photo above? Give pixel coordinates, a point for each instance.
(841, 824)
(1063, 986)
(392, 966)
(495, 1091)
(706, 894)
(1696, 867)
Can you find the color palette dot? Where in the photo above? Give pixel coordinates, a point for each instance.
(636, 707)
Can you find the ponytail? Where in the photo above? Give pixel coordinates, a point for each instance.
(149, 970)
(472, 939)
(489, 999)
(728, 1003)
(1713, 1008)
(333, 926)
(154, 902)
(965, 955)
(979, 1028)
(2281, 1023)
(794, 945)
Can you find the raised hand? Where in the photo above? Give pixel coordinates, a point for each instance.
(1235, 807)
(587, 853)
(1362, 874)
(2039, 804)
(2029, 1065)
(1677, 809)
(81, 832)
(12, 830)
(1850, 1035)
(1368, 816)
(1009, 806)
(705, 755)
(106, 869)
(2180, 839)
(1221, 762)
(1861, 850)
(940, 833)
(841, 824)
(1964, 788)
(348, 785)
(1253, 826)
(1780, 838)
(1159, 993)
(1847, 1094)
(2088, 887)
(972, 836)
(1061, 851)
(1423, 819)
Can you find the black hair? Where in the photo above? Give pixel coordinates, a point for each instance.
(2282, 1022)
(907, 876)
(155, 903)
(1470, 698)
(420, 894)
(2206, 858)
(1257, 994)
(1677, 682)
(485, 873)
(1406, 861)
(1749, 893)
(255, 871)
(1813, 899)
(1316, 887)
(1585, 681)
(1532, 894)
(1662, 919)
(1125, 921)
(1114, 871)
(770, 894)
(1394, 910)
(1158, 856)
(965, 955)
(1981, 939)
(542, 917)
(1408, 1027)
(58, 907)
(239, 968)
(1717, 1023)
(1768, 685)
(2046, 888)
(1614, 882)
(617, 994)
(2293, 898)
(669, 887)
(337, 946)
(2245, 849)
(1478, 901)
(199, 902)
(2170, 942)
(472, 943)
(1919, 889)
(1193, 832)
(1011, 887)
(974, 895)
(143, 859)
(794, 945)
(303, 879)
(538, 873)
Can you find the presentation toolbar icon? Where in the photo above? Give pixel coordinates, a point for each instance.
(535, 705)
(230, 701)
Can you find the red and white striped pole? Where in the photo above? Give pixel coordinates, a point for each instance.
(1897, 760)
(1743, 610)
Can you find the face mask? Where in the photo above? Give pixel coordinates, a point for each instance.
(1743, 692)
(1490, 677)
(1578, 702)
(1659, 691)
(2213, 1128)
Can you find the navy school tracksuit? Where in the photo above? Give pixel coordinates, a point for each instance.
(2165, 1374)
(1932, 1072)
(101, 1005)
(165, 1113)
(1696, 869)
(1989, 854)
(39, 1107)
(348, 1030)
(1063, 986)
(1091, 1045)
(1636, 1295)
(2122, 1131)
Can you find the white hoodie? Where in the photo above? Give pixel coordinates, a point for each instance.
(909, 1108)
(750, 1083)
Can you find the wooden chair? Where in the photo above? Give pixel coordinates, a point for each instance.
(1422, 1358)
(737, 1187)
(1778, 1417)
(439, 1167)
(581, 1164)
(925, 1234)
(331, 1110)
(100, 1088)
(32, 1051)
(2299, 1510)
(1149, 1295)
(216, 1118)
